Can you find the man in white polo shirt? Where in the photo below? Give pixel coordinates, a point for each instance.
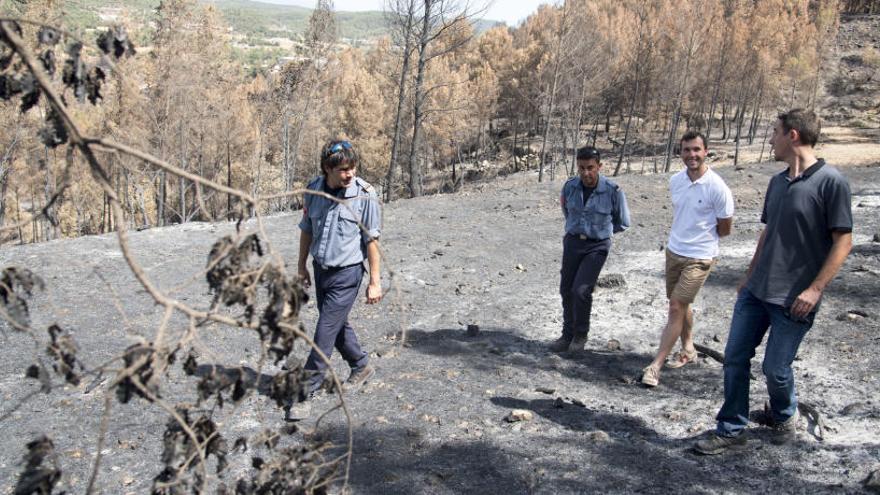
(702, 214)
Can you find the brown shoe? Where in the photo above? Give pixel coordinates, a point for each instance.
(359, 376)
(786, 431)
(717, 444)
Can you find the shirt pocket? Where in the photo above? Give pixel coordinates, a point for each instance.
(601, 210)
(349, 216)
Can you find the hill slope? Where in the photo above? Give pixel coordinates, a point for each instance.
(431, 421)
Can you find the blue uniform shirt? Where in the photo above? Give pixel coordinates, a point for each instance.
(605, 213)
(337, 240)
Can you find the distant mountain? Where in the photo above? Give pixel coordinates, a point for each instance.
(251, 18)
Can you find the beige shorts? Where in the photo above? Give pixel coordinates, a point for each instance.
(685, 276)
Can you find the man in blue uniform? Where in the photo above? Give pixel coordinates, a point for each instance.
(806, 239)
(594, 209)
(339, 233)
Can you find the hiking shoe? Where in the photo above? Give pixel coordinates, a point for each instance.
(717, 444)
(786, 431)
(651, 376)
(359, 376)
(682, 358)
(577, 343)
(559, 345)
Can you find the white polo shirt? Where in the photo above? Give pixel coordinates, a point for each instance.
(696, 207)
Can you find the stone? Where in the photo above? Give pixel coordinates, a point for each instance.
(611, 281)
(673, 415)
(546, 390)
(598, 436)
(519, 415)
(473, 330)
(699, 427)
(613, 345)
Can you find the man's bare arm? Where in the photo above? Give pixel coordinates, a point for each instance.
(305, 241)
(374, 288)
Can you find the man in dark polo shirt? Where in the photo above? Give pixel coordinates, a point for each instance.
(806, 238)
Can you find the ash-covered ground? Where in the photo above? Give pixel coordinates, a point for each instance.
(432, 420)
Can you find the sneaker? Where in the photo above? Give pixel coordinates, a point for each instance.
(559, 345)
(359, 376)
(651, 376)
(717, 444)
(682, 358)
(577, 343)
(786, 431)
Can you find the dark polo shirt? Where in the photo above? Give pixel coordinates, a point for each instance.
(800, 214)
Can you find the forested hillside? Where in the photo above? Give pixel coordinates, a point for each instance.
(249, 18)
(430, 104)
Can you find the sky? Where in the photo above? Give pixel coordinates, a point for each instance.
(509, 11)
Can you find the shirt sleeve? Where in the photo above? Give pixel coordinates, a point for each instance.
(371, 218)
(620, 215)
(562, 203)
(723, 202)
(838, 205)
(306, 223)
(766, 196)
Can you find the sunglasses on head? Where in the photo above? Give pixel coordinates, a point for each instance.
(341, 145)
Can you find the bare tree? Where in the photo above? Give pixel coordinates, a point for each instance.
(436, 19)
(562, 30)
(402, 17)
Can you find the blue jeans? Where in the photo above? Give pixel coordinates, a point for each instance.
(751, 319)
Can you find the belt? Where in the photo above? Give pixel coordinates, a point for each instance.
(585, 237)
(327, 268)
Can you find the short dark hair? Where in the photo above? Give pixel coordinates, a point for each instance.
(806, 122)
(691, 135)
(336, 153)
(589, 153)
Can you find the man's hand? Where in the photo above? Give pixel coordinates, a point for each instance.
(305, 278)
(742, 283)
(374, 293)
(806, 301)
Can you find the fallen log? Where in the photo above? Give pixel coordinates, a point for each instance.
(712, 353)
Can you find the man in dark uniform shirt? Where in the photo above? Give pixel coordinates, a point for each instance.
(594, 208)
(331, 233)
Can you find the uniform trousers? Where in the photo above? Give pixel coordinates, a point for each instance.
(582, 260)
(336, 289)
